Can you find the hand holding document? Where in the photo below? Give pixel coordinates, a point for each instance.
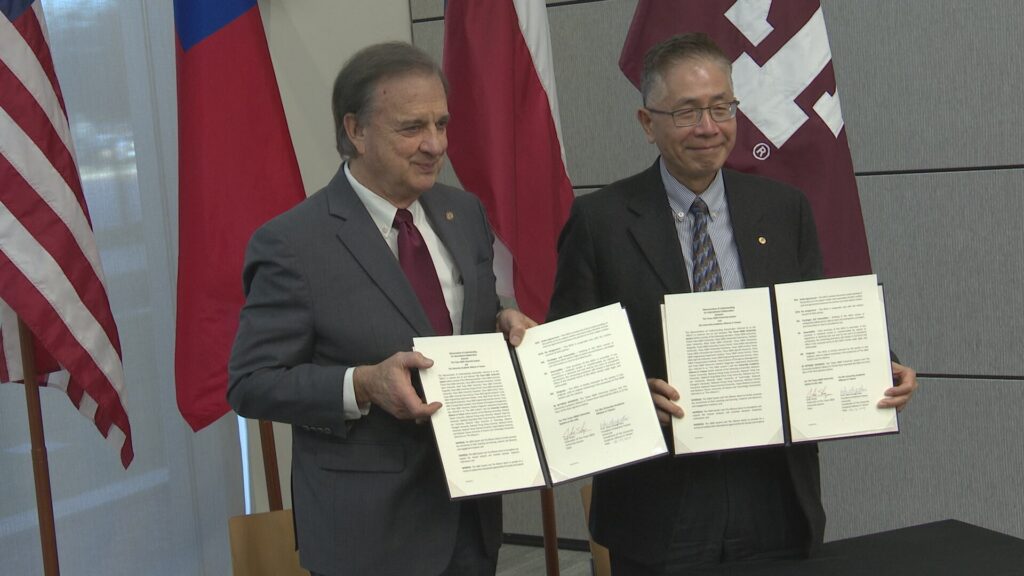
(722, 358)
(584, 406)
(589, 394)
(835, 352)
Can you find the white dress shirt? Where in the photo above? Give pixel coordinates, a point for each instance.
(719, 226)
(382, 213)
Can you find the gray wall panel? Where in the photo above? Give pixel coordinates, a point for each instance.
(429, 37)
(602, 138)
(929, 83)
(523, 512)
(926, 84)
(426, 9)
(435, 8)
(958, 455)
(948, 249)
(928, 75)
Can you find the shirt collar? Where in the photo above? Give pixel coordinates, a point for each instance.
(680, 197)
(381, 211)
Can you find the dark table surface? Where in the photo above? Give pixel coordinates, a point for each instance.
(946, 548)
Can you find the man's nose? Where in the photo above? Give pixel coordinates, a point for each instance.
(435, 142)
(707, 124)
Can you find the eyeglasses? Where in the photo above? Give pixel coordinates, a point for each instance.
(692, 116)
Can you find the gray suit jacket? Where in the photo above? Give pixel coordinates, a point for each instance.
(620, 245)
(325, 293)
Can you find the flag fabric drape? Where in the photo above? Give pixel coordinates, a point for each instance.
(236, 170)
(504, 138)
(790, 122)
(50, 273)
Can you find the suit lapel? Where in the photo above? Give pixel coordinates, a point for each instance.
(445, 220)
(655, 232)
(360, 236)
(746, 214)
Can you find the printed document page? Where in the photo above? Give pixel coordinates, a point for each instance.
(590, 400)
(720, 349)
(835, 352)
(483, 432)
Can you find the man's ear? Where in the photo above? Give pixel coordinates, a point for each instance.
(646, 122)
(355, 132)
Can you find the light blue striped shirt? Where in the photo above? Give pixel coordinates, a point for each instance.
(720, 226)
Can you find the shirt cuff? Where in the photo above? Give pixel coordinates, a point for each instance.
(352, 411)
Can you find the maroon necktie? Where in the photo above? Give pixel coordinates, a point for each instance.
(419, 269)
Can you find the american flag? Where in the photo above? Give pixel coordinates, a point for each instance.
(50, 273)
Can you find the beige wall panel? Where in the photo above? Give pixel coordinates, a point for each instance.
(309, 41)
(958, 455)
(948, 249)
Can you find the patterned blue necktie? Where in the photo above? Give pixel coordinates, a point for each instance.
(706, 275)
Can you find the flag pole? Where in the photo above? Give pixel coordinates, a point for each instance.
(40, 464)
(547, 508)
(270, 473)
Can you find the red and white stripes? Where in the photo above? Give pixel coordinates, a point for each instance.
(50, 273)
(505, 139)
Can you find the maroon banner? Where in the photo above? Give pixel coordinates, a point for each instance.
(790, 126)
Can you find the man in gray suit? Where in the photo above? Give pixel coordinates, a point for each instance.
(336, 289)
(650, 235)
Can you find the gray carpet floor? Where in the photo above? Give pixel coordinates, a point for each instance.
(529, 561)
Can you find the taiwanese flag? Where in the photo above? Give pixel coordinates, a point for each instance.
(504, 137)
(790, 126)
(236, 169)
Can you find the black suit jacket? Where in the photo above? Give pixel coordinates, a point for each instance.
(620, 245)
(325, 293)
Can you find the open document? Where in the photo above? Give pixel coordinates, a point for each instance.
(579, 404)
(722, 349)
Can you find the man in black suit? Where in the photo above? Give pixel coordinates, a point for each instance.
(633, 242)
(336, 290)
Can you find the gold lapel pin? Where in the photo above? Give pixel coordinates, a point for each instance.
(449, 215)
(762, 240)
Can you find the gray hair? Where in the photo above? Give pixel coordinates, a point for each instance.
(665, 54)
(354, 86)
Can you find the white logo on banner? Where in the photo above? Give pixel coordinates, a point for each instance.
(768, 92)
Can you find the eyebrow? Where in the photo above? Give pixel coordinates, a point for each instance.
(421, 121)
(692, 102)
